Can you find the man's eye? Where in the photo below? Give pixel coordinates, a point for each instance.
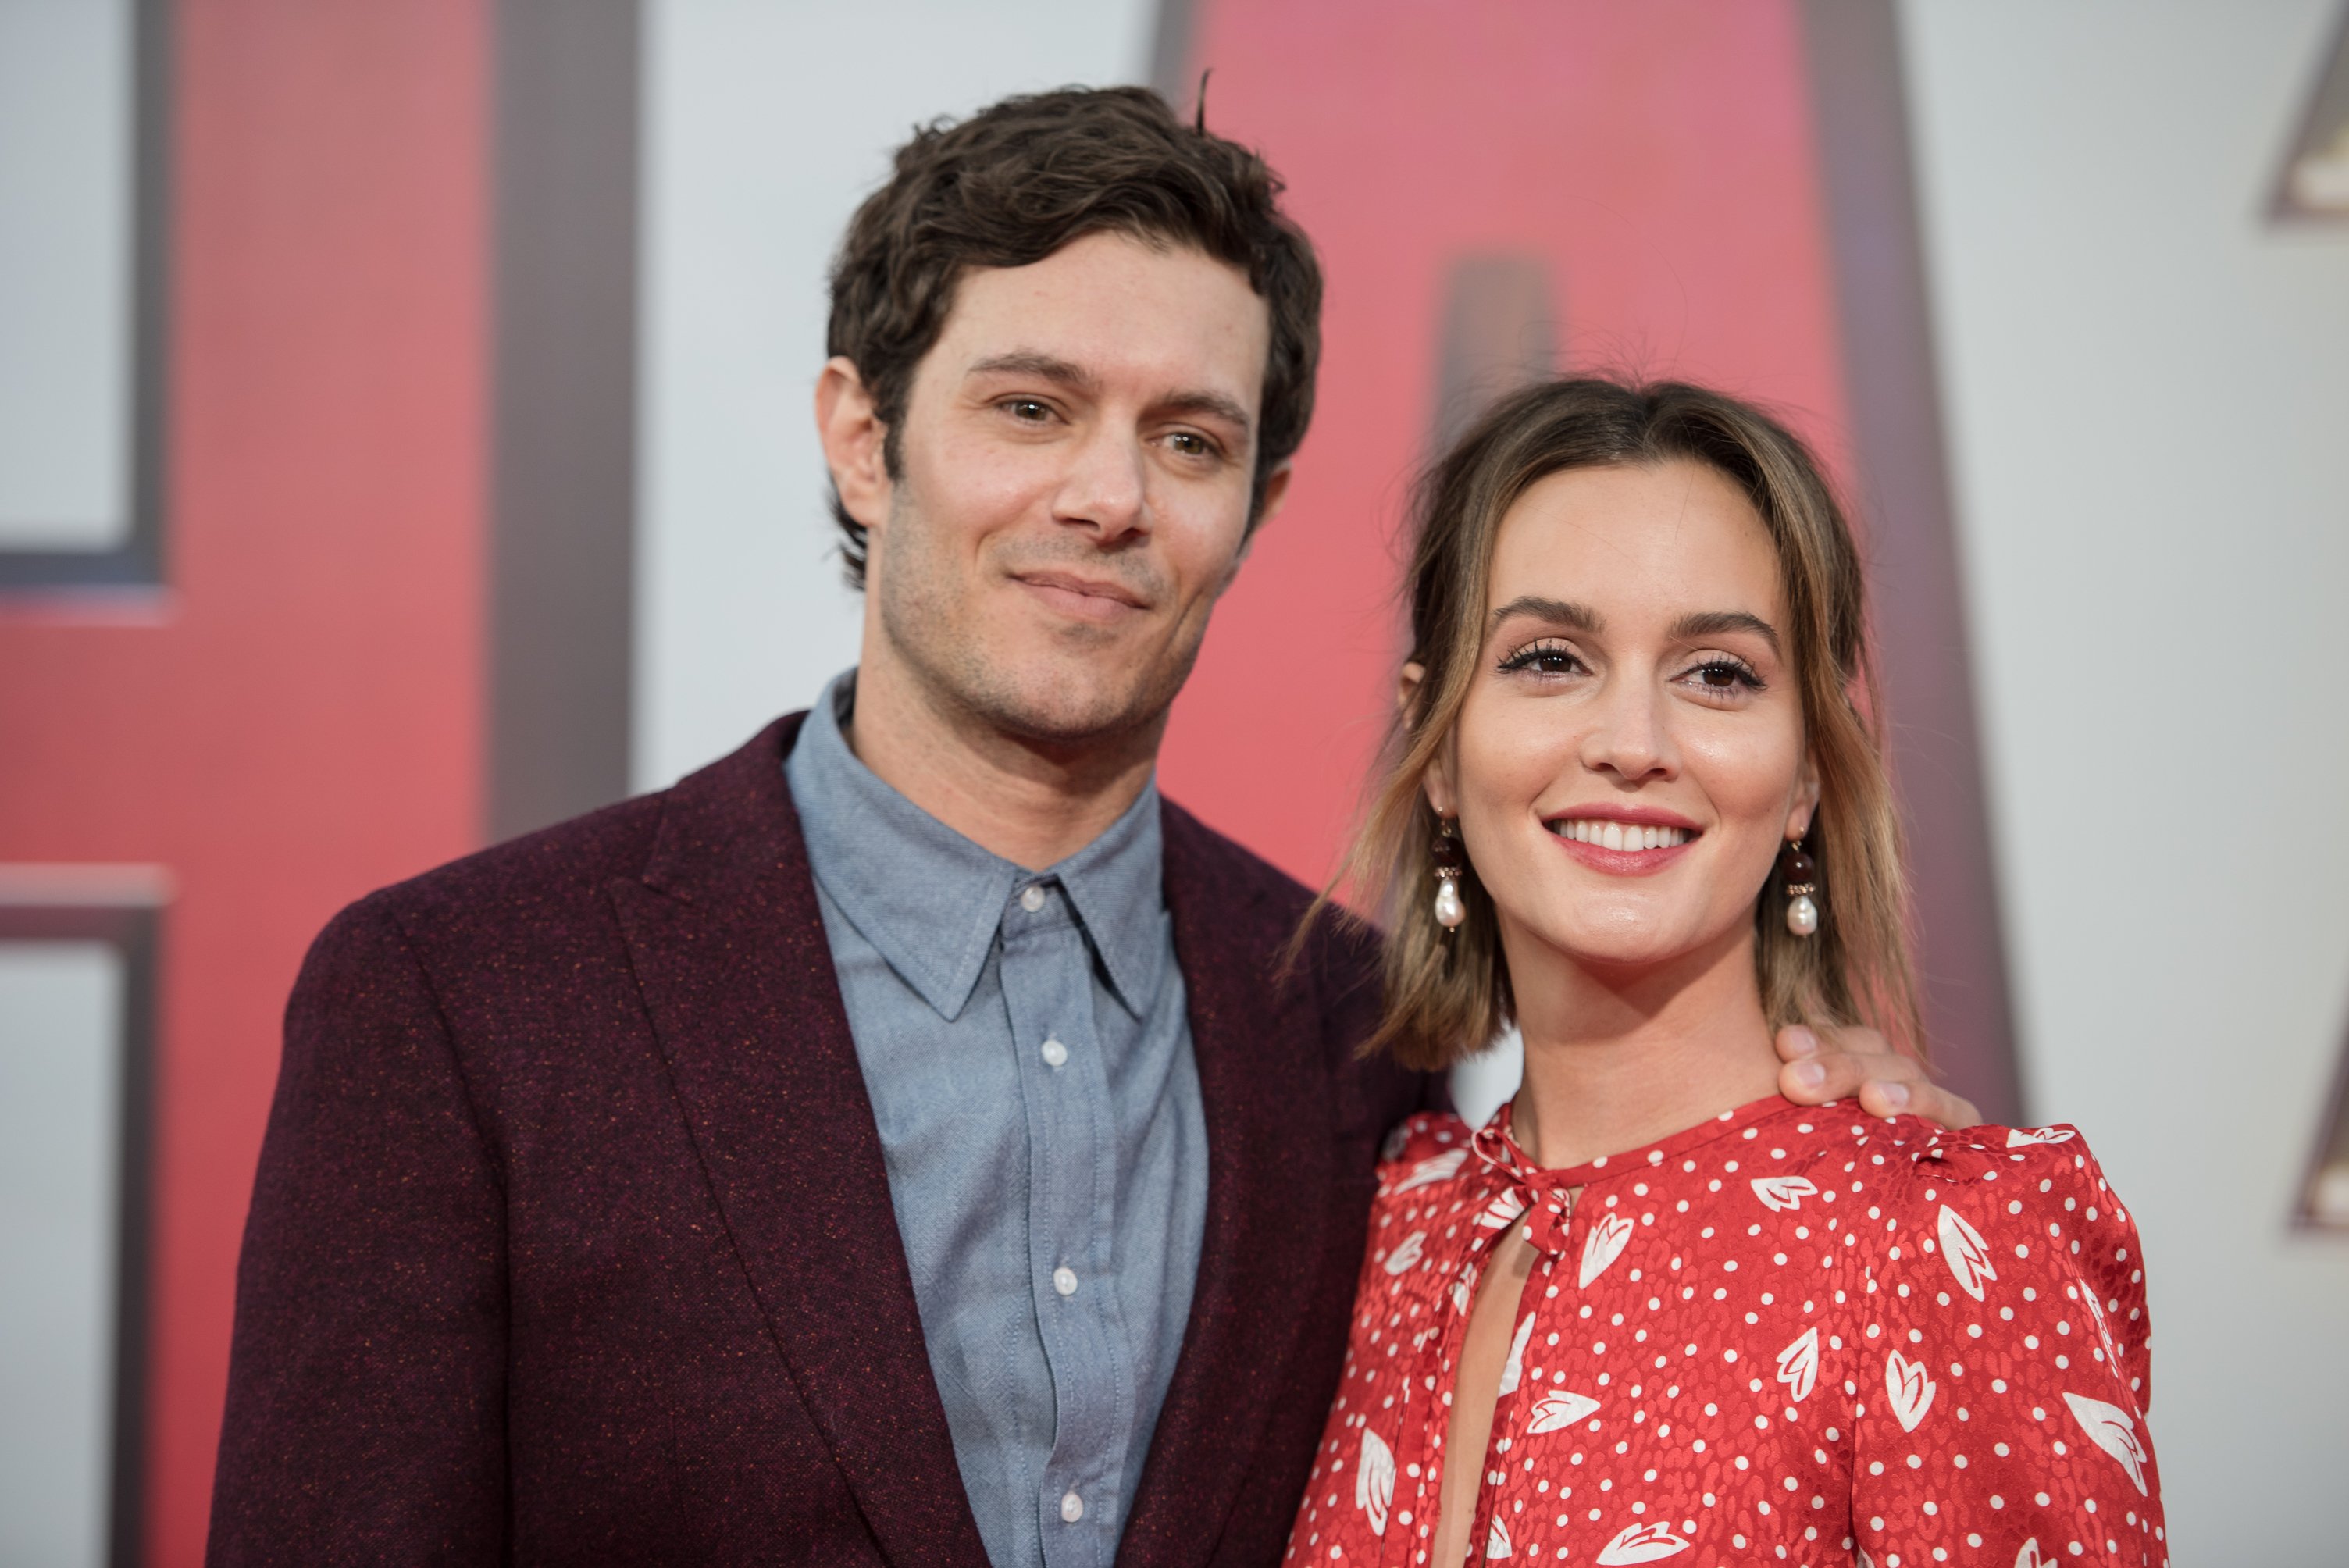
(1191, 444)
(1029, 411)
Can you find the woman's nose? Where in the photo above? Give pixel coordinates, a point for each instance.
(1632, 734)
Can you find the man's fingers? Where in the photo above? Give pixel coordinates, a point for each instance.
(1796, 1041)
(1817, 1081)
(1821, 1065)
(1928, 1100)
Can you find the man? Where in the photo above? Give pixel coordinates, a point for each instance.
(899, 1141)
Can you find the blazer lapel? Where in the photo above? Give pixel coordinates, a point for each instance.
(1268, 1096)
(730, 956)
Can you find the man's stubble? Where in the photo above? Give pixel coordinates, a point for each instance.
(928, 612)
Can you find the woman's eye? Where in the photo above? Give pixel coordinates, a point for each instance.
(1543, 659)
(1725, 676)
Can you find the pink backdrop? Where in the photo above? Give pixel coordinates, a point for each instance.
(298, 717)
(1658, 157)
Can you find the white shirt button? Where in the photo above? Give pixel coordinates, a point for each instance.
(1031, 898)
(1055, 1054)
(1064, 1280)
(1072, 1507)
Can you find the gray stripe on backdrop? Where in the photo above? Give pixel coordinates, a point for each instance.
(564, 438)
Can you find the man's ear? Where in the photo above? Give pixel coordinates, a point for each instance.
(1276, 491)
(854, 442)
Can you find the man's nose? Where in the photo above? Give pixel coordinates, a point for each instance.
(1107, 487)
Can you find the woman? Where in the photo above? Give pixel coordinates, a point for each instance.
(1636, 810)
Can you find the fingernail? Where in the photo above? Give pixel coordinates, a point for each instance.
(1896, 1094)
(1803, 1041)
(1810, 1075)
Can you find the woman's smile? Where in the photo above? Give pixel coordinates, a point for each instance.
(1623, 842)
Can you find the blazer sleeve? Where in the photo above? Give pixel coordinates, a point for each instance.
(366, 1412)
(2002, 1367)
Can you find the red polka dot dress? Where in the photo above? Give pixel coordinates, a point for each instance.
(1789, 1334)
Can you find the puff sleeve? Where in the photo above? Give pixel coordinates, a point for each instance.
(1999, 1377)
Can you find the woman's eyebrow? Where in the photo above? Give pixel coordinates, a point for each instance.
(1556, 612)
(1713, 623)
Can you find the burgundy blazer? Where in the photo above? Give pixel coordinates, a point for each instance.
(572, 1241)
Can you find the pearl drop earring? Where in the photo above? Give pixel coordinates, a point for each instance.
(1449, 911)
(1796, 869)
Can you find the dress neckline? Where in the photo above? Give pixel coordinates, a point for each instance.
(1496, 1146)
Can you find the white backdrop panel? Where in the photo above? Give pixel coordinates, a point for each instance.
(2149, 388)
(61, 1091)
(65, 304)
(766, 123)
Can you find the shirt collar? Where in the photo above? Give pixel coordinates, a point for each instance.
(931, 901)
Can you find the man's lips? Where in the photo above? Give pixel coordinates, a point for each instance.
(1090, 598)
(1624, 840)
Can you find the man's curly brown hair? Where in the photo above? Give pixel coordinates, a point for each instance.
(1015, 182)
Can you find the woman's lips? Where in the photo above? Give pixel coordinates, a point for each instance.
(1622, 847)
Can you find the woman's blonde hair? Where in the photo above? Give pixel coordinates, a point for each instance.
(1447, 995)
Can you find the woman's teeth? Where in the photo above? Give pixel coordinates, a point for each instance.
(1609, 835)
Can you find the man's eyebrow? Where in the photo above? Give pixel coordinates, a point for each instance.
(1556, 612)
(1045, 366)
(1213, 405)
(1712, 623)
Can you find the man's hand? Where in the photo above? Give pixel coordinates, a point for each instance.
(1858, 1060)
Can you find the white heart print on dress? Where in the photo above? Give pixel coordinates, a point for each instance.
(1374, 1480)
(1909, 1389)
(2016, 1137)
(1605, 1243)
(2029, 1556)
(1497, 1544)
(1503, 1211)
(1964, 1251)
(1799, 1364)
(2111, 1430)
(1562, 1408)
(1641, 1543)
(1434, 1167)
(2104, 1328)
(1407, 1252)
(1779, 1193)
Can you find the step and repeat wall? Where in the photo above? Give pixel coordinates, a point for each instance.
(405, 442)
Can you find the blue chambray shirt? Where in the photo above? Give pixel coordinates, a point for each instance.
(1024, 1041)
